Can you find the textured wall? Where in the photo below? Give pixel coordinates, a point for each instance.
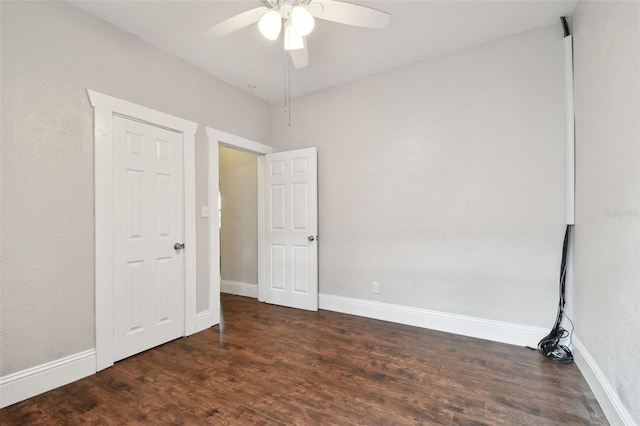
(607, 252)
(239, 233)
(444, 180)
(51, 53)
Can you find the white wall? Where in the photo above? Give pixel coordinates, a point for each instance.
(51, 53)
(607, 237)
(239, 233)
(444, 180)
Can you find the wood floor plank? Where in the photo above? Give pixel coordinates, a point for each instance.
(270, 365)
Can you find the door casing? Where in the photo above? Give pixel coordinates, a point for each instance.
(105, 107)
(217, 138)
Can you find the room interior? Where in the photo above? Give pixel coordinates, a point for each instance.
(440, 176)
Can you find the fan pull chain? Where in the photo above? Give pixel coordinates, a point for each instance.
(286, 78)
(287, 90)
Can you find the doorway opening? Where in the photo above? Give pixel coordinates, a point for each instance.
(287, 200)
(238, 221)
(219, 138)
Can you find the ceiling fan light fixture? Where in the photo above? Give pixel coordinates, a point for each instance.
(302, 20)
(292, 40)
(270, 25)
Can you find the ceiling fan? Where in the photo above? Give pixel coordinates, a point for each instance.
(297, 18)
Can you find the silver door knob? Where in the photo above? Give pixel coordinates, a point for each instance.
(178, 246)
(311, 238)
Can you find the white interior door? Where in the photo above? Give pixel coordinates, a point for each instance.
(291, 205)
(149, 271)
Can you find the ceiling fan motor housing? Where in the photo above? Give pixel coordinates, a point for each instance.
(297, 19)
(285, 7)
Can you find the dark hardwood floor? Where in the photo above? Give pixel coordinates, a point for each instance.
(273, 365)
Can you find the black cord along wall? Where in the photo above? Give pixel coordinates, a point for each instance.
(550, 345)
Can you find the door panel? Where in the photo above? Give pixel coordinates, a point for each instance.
(292, 218)
(300, 265)
(149, 272)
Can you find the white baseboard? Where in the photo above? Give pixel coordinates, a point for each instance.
(204, 320)
(607, 397)
(33, 381)
(239, 289)
(497, 331)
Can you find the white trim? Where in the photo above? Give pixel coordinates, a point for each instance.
(217, 138)
(105, 107)
(239, 288)
(104, 254)
(190, 215)
(607, 397)
(42, 378)
(129, 109)
(261, 232)
(203, 320)
(214, 232)
(497, 331)
(237, 142)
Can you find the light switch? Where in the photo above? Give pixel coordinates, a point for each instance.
(205, 211)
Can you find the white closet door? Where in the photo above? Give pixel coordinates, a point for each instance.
(149, 221)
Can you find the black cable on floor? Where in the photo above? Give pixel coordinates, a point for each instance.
(550, 345)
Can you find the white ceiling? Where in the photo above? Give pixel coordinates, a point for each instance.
(418, 31)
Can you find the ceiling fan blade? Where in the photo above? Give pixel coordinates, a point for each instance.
(300, 57)
(348, 13)
(237, 22)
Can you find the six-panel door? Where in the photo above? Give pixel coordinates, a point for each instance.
(292, 229)
(149, 277)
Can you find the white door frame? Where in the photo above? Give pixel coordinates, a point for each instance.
(217, 138)
(105, 107)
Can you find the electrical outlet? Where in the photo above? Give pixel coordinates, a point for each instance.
(376, 287)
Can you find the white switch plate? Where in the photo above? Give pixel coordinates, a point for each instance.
(205, 211)
(376, 287)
